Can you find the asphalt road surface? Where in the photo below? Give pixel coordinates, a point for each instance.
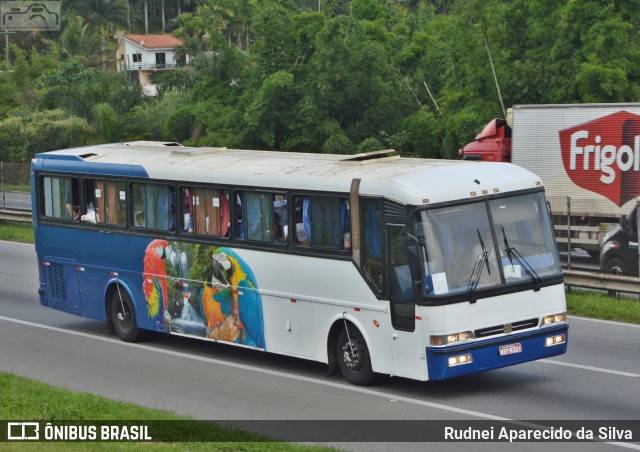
(598, 379)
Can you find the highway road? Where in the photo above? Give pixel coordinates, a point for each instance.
(598, 379)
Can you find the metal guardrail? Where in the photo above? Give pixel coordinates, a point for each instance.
(16, 215)
(602, 281)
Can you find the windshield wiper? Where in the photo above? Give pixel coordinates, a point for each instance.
(482, 259)
(513, 252)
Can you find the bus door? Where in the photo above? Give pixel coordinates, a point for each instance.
(106, 246)
(406, 346)
(59, 246)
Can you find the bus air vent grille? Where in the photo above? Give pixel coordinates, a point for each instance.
(502, 329)
(57, 286)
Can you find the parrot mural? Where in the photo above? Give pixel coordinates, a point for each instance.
(154, 283)
(247, 301)
(226, 306)
(211, 305)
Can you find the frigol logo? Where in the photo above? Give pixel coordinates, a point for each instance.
(603, 156)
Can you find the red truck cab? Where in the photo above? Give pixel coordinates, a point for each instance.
(493, 144)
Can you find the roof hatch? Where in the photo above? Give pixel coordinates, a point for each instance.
(371, 157)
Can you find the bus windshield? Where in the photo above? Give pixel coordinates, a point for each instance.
(485, 244)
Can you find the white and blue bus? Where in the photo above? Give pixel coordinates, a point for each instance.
(371, 263)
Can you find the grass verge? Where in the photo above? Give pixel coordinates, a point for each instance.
(602, 306)
(24, 399)
(22, 188)
(16, 232)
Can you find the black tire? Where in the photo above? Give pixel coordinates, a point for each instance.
(615, 266)
(353, 358)
(123, 317)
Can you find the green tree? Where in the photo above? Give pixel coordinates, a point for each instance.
(105, 14)
(80, 41)
(106, 121)
(26, 134)
(269, 116)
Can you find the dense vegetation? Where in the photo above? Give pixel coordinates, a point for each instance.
(420, 76)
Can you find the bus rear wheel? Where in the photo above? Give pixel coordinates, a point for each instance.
(123, 317)
(353, 357)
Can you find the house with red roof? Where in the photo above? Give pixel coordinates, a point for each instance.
(143, 55)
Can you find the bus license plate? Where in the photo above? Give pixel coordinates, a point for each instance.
(510, 349)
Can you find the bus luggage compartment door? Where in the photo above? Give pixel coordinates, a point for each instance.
(62, 286)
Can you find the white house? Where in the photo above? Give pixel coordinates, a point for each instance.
(148, 54)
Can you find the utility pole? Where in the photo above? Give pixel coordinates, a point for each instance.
(6, 45)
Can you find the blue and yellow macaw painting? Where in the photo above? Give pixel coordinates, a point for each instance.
(211, 292)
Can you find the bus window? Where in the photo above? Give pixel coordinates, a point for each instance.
(205, 211)
(257, 217)
(61, 197)
(106, 202)
(323, 221)
(153, 206)
(371, 241)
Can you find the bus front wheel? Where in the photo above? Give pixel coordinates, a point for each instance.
(353, 357)
(123, 317)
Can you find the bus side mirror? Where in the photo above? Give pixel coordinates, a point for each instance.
(414, 263)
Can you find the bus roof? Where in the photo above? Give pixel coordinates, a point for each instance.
(406, 180)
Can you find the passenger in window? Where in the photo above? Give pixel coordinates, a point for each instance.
(138, 219)
(276, 231)
(90, 211)
(300, 234)
(345, 217)
(346, 241)
(90, 216)
(280, 209)
(278, 237)
(71, 196)
(74, 211)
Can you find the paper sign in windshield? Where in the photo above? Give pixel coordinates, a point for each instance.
(512, 271)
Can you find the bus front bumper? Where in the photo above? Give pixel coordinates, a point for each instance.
(464, 359)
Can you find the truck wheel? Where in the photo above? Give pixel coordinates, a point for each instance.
(353, 357)
(615, 266)
(123, 317)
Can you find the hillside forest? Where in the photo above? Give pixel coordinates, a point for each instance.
(333, 76)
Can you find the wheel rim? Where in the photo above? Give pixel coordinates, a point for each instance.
(353, 356)
(616, 268)
(124, 316)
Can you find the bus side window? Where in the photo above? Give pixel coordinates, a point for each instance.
(106, 202)
(371, 241)
(61, 197)
(153, 206)
(257, 218)
(205, 211)
(323, 221)
(300, 227)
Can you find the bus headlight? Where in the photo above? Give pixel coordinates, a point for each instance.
(448, 339)
(555, 318)
(554, 340)
(460, 359)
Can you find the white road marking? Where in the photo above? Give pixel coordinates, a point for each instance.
(609, 322)
(595, 369)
